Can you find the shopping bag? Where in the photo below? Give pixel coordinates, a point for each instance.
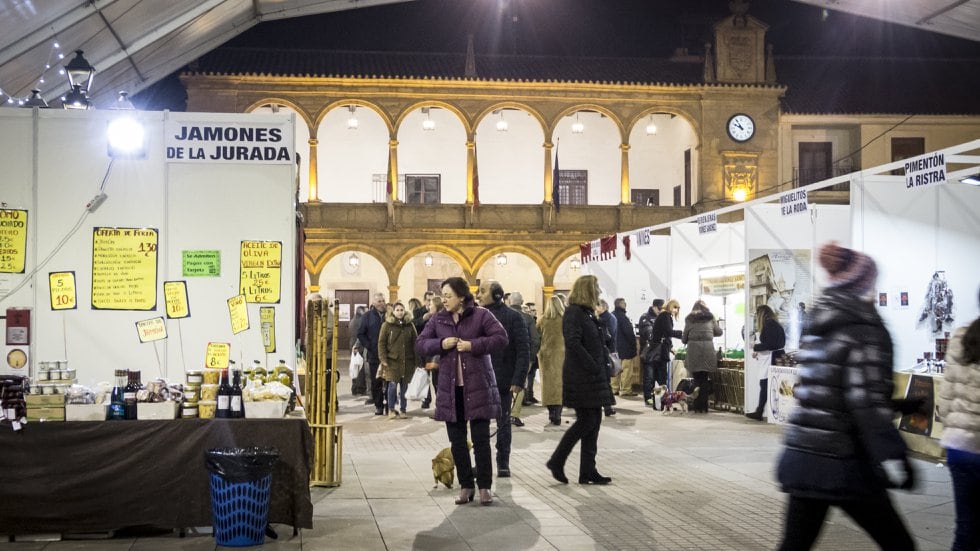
(418, 387)
(617, 364)
(356, 363)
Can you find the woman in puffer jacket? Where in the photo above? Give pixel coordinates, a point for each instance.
(842, 448)
(959, 405)
(700, 330)
(463, 336)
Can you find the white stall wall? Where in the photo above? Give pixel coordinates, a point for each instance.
(194, 206)
(638, 280)
(691, 251)
(767, 229)
(16, 192)
(912, 234)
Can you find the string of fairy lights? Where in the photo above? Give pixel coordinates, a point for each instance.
(55, 55)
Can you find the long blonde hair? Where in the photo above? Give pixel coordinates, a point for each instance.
(554, 309)
(671, 304)
(585, 291)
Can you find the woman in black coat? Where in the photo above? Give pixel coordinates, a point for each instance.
(772, 339)
(842, 447)
(585, 382)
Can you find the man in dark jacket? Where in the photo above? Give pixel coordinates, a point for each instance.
(626, 348)
(516, 301)
(646, 333)
(510, 364)
(367, 336)
(608, 322)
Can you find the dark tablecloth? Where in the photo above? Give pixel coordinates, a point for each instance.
(105, 475)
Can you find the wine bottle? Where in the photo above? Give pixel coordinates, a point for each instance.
(223, 411)
(117, 403)
(129, 394)
(237, 406)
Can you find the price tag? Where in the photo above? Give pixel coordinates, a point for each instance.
(238, 312)
(62, 285)
(153, 329)
(261, 271)
(267, 318)
(175, 296)
(217, 355)
(13, 240)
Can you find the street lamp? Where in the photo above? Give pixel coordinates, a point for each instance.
(501, 260)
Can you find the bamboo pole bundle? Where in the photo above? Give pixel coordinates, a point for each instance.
(322, 392)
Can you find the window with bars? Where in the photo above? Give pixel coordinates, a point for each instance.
(573, 187)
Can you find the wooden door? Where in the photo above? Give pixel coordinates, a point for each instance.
(349, 300)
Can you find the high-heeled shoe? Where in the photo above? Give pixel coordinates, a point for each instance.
(486, 497)
(465, 496)
(595, 478)
(557, 471)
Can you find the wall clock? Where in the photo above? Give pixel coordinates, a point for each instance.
(741, 127)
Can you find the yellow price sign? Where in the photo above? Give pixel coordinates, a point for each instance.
(124, 268)
(217, 355)
(267, 318)
(238, 312)
(175, 296)
(62, 285)
(261, 271)
(13, 240)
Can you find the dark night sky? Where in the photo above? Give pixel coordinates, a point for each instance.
(617, 28)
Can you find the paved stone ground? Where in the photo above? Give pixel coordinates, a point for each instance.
(680, 482)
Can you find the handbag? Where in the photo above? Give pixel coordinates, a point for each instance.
(652, 354)
(356, 363)
(617, 364)
(418, 387)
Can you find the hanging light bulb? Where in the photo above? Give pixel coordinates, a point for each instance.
(577, 126)
(353, 260)
(501, 259)
(352, 122)
(502, 124)
(428, 260)
(651, 128)
(428, 124)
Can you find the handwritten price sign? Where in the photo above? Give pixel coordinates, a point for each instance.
(13, 240)
(238, 312)
(175, 296)
(124, 268)
(217, 355)
(62, 285)
(261, 271)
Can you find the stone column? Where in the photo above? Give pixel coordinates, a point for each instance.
(314, 193)
(624, 178)
(470, 168)
(392, 293)
(393, 168)
(548, 146)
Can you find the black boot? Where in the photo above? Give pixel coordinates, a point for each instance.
(763, 395)
(554, 415)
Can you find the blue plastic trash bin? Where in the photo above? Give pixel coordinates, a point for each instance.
(240, 480)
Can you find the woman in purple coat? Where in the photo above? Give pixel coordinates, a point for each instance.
(463, 336)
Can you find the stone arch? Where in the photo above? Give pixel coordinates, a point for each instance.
(491, 252)
(288, 103)
(512, 105)
(330, 252)
(611, 115)
(467, 124)
(360, 103)
(451, 252)
(639, 116)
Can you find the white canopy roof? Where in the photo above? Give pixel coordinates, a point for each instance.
(134, 43)
(131, 43)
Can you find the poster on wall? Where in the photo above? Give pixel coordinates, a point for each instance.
(13, 240)
(261, 271)
(783, 382)
(920, 386)
(781, 279)
(205, 263)
(124, 268)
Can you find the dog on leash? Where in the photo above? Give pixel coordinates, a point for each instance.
(675, 401)
(444, 468)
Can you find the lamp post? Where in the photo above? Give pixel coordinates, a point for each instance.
(80, 75)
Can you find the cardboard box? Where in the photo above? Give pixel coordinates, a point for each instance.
(45, 400)
(268, 409)
(156, 410)
(85, 412)
(46, 413)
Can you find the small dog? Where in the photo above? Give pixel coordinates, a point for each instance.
(675, 401)
(444, 468)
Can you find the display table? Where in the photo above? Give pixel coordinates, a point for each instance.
(105, 475)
